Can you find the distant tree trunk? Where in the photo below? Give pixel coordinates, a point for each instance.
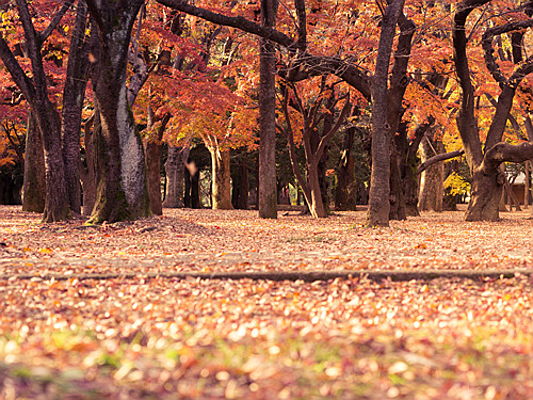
(88, 173)
(267, 116)
(345, 194)
(152, 150)
(192, 188)
(34, 189)
(221, 178)
(432, 180)
(175, 171)
(239, 196)
(397, 201)
(153, 176)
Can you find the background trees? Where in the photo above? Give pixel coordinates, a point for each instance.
(174, 71)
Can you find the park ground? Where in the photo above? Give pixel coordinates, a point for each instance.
(165, 338)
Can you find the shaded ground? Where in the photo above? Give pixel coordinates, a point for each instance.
(194, 339)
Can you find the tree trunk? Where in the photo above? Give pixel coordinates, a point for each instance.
(397, 201)
(73, 98)
(267, 117)
(485, 196)
(431, 181)
(175, 170)
(316, 201)
(379, 202)
(88, 173)
(192, 188)
(34, 189)
(345, 194)
(221, 178)
(121, 190)
(56, 206)
(239, 195)
(153, 176)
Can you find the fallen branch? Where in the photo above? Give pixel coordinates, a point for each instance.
(311, 276)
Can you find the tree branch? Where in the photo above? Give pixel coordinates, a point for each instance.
(55, 21)
(438, 158)
(490, 60)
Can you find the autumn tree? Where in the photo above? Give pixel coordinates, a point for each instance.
(485, 160)
(35, 86)
(121, 190)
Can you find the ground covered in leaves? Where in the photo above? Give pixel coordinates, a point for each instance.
(342, 339)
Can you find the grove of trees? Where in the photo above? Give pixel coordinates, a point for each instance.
(351, 101)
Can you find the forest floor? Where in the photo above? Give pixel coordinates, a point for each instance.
(354, 339)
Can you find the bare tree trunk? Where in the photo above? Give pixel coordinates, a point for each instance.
(88, 173)
(34, 189)
(345, 194)
(239, 195)
(267, 116)
(221, 175)
(431, 181)
(175, 170)
(379, 202)
(153, 176)
(73, 97)
(121, 191)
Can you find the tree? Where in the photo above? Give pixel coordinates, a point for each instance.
(121, 189)
(317, 125)
(37, 93)
(485, 161)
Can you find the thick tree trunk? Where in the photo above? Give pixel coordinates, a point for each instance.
(485, 196)
(221, 178)
(345, 194)
(175, 171)
(34, 189)
(267, 116)
(121, 190)
(431, 182)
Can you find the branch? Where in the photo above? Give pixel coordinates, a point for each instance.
(55, 21)
(299, 5)
(342, 117)
(23, 82)
(234, 22)
(438, 158)
(505, 152)
(466, 121)
(490, 60)
(313, 65)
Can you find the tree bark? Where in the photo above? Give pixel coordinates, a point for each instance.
(175, 172)
(345, 194)
(431, 181)
(240, 185)
(73, 97)
(221, 178)
(121, 190)
(34, 189)
(88, 172)
(379, 202)
(267, 116)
